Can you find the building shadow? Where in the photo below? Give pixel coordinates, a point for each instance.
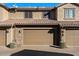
(56, 36)
(26, 52)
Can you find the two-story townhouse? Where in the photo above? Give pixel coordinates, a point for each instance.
(68, 15)
(40, 26)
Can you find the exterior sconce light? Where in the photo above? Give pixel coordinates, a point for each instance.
(62, 34)
(19, 31)
(7, 31)
(62, 31)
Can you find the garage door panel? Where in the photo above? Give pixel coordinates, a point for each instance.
(72, 37)
(2, 37)
(37, 37)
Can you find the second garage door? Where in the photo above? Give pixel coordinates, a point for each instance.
(37, 37)
(2, 37)
(72, 38)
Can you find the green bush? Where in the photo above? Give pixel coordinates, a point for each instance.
(13, 11)
(62, 45)
(11, 45)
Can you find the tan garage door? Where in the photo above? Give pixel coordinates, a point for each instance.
(72, 38)
(37, 37)
(2, 37)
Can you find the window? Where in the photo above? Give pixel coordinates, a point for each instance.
(28, 14)
(45, 14)
(69, 13)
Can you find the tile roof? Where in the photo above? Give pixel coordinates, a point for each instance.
(38, 22)
(3, 5)
(40, 8)
(28, 22)
(61, 4)
(69, 23)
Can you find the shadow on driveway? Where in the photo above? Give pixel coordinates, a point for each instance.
(38, 53)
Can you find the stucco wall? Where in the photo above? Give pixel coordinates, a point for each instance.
(3, 14)
(8, 36)
(18, 36)
(21, 15)
(60, 12)
(15, 36)
(37, 15)
(16, 15)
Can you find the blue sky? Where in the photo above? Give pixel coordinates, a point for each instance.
(32, 4)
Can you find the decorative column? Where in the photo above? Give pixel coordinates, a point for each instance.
(62, 42)
(19, 37)
(12, 34)
(12, 43)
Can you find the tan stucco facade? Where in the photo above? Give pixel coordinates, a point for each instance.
(37, 15)
(14, 35)
(40, 34)
(3, 14)
(63, 35)
(16, 15)
(8, 36)
(21, 15)
(30, 36)
(18, 37)
(60, 12)
(55, 14)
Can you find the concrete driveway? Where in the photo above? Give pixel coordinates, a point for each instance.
(39, 51)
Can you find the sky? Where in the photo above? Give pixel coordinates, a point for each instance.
(31, 4)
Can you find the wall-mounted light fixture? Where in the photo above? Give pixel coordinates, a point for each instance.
(19, 31)
(7, 31)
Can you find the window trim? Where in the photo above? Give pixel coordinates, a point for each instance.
(68, 12)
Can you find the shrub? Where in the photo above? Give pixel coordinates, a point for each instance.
(62, 45)
(11, 45)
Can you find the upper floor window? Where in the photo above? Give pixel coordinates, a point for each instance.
(28, 14)
(69, 13)
(45, 14)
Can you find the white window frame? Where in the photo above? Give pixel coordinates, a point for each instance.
(69, 13)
